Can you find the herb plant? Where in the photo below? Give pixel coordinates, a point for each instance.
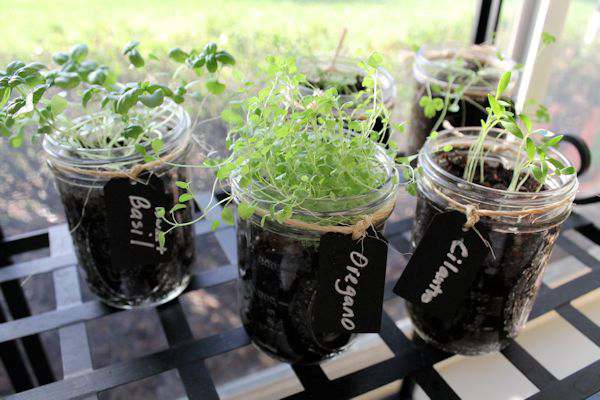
(532, 158)
(460, 76)
(81, 103)
(295, 151)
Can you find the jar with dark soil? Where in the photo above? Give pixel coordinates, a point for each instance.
(278, 266)
(466, 75)
(107, 248)
(347, 77)
(500, 299)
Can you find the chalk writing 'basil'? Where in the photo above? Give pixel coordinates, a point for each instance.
(132, 222)
(137, 225)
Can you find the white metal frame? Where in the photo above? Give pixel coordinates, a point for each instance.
(526, 47)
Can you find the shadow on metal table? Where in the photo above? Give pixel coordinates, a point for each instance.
(557, 355)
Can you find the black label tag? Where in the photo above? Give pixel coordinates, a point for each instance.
(442, 268)
(132, 223)
(351, 280)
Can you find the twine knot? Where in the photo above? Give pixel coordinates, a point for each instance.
(359, 230)
(472, 213)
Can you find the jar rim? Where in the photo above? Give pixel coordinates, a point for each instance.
(429, 60)
(388, 84)
(72, 155)
(567, 186)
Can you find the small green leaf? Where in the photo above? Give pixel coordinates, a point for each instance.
(130, 46)
(513, 128)
(16, 141)
(447, 148)
(538, 174)
(530, 149)
(231, 117)
(245, 210)
(157, 145)
(140, 149)
(153, 100)
(375, 60)
(185, 197)
(4, 96)
(136, 59)
(526, 122)
(215, 225)
(177, 207)
(4, 131)
(496, 108)
(503, 83)
(79, 52)
(211, 63)
(67, 80)
(227, 215)
(224, 172)
(215, 87)
(225, 58)
(182, 185)
(125, 102)
(210, 48)
(368, 81)
(568, 171)
(161, 239)
(97, 77)
(133, 131)
(58, 104)
(37, 93)
(199, 62)
(159, 212)
(87, 96)
(554, 140)
(60, 58)
(178, 55)
(548, 38)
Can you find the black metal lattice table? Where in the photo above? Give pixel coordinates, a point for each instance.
(411, 362)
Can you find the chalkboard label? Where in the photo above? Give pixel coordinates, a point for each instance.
(351, 280)
(132, 223)
(442, 268)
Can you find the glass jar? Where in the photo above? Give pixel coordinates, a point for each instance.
(116, 277)
(278, 266)
(435, 66)
(348, 71)
(500, 299)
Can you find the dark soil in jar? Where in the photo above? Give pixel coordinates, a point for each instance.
(135, 285)
(504, 290)
(348, 85)
(345, 84)
(277, 288)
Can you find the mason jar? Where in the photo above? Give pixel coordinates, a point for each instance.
(521, 237)
(110, 196)
(349, 72)
(278, 266)
(450, 68)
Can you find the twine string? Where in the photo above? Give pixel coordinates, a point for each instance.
(474, 213)
(131, 173)
(358, 230)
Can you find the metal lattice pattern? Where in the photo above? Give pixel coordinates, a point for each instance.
(412, 362)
